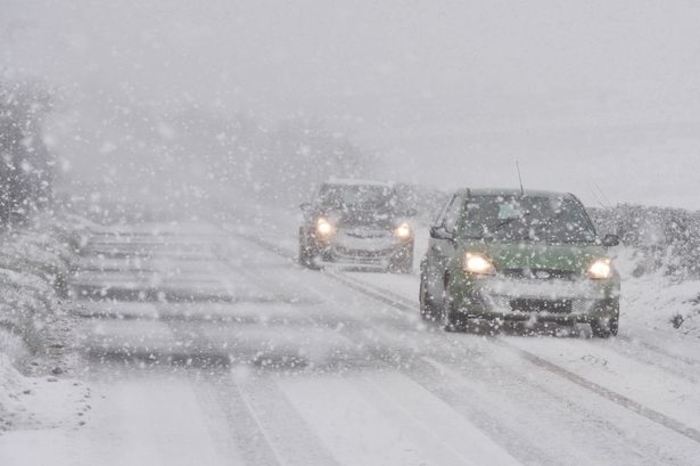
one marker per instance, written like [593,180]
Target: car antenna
[605,198]
[520,178]
[595,196]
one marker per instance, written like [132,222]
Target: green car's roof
[514,192]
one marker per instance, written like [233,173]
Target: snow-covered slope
[34,329]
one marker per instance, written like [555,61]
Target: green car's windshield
[556,220]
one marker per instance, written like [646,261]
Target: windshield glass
[558,220]
[358,197]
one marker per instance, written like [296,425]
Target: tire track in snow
[615,397]
[610,395]
[283,424]
[232,421]
[238,420]
[654,415]
[656,349]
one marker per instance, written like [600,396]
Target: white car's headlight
[324,227]
[403,231]
[601,269]
[477,263]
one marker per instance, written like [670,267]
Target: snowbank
[656,300]
[35,263]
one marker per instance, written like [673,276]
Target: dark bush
[26,175]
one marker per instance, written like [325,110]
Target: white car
[357,222]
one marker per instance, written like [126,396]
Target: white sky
[599,93]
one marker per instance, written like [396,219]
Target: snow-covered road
[205,344]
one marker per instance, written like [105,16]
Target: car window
[439,219]
[452,214]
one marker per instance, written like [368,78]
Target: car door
[441,246]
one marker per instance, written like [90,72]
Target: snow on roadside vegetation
[656,301]
[35,262]
[660,266]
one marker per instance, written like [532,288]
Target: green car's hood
[571,258]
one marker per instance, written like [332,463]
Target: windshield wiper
[503,223]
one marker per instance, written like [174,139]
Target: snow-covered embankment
[35,329]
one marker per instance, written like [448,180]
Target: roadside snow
[657,302]
[30,403]
[34,266]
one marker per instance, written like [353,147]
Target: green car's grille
[537,305]
[541,305]
[540,274]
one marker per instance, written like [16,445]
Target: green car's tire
[428,308]
[450,322]
[453,324]
[606,328]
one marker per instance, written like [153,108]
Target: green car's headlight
[601,269]
[477,263]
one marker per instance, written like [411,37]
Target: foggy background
[599,98]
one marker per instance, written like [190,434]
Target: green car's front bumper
[563,301]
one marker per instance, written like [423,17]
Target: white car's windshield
[358,196]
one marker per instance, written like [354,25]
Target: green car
[523,256]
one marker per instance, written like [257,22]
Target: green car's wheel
[605,328]
[428,308]
[450,322]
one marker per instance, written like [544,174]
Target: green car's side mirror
[610,240]
[441,233]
